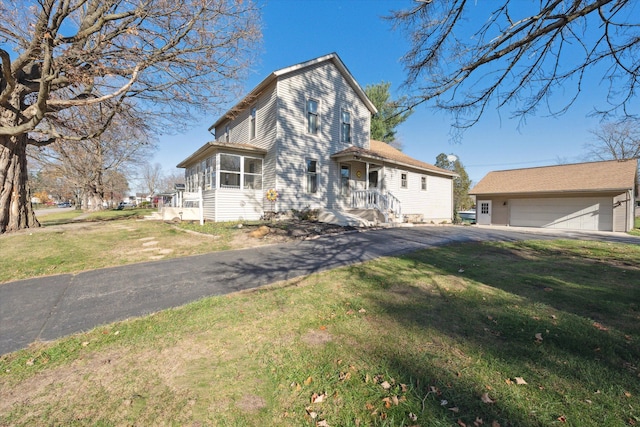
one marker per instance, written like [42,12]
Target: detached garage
[596,196]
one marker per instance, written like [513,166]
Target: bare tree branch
[467,56]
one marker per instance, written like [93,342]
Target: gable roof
[382,152]
[611,175]
[332,57]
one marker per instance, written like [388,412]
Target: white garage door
[584,213]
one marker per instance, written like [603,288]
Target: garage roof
[612,175]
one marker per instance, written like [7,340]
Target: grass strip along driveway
[531,333]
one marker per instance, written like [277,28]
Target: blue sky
[298,30]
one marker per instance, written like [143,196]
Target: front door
[483,211]
[373,179]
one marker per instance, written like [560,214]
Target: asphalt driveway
[47,308]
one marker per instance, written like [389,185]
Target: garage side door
[583,213]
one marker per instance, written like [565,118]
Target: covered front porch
[362,187]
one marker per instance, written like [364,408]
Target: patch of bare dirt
[317,338]
[287,231]
[251,403]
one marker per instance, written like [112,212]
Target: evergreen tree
[390,112]
[461,183]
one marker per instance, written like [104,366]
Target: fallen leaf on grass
[627,394]
[486,399]
[308,381]
[455,409]
[344,376]
[520,381]
[385,385]
[362,310]
[600,327]
[322,423]
[562,419]
[539,337]
[461,423]
[318,398]
[478,422]
[413,417]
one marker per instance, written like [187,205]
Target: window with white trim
[423,183]
[229,171]
[345,175]
[345,126]
[404,183]
[252,123]
[312,176]
[312,116]
[253,173]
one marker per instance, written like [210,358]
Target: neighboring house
[304,131]
[585,196]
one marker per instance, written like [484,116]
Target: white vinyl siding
[233,205]
[325,83]
[435,204]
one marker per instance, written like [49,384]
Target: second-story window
[345,126]
[312,116]
[252,123]
[226,133]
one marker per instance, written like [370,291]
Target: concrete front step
[343,218]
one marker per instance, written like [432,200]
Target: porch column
[366,177]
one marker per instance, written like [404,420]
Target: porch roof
[215,146]
[381,152]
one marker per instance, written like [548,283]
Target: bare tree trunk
[16,212]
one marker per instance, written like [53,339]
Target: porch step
[343,218]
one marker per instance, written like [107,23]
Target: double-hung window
[345,126]
[423,183]
[312,176]
[229,171]
[403,180]
[312,116]
[252,123]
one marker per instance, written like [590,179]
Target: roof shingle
[612,175]
[383,151]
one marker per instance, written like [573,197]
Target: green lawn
[536,333]
[67,244]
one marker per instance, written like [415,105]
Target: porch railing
[386,204]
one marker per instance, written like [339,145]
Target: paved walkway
[47,308]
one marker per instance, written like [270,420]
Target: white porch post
[201,205]
[366,177]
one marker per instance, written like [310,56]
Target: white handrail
[374,199]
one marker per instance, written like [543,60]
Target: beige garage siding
[580,213]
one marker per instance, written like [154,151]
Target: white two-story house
[305,132]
